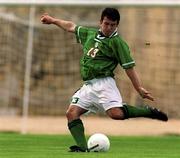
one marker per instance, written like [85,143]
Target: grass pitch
[14,145]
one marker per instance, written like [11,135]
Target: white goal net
[54,67]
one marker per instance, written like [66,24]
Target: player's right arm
[65,25]
[133,76]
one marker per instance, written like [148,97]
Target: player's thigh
[109,95]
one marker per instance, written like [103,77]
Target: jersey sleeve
[81,34]
[122,53]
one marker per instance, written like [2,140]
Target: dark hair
[111,13]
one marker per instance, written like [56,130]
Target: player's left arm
[133,76]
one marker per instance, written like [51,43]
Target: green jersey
[101,54]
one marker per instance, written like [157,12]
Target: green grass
[14,145]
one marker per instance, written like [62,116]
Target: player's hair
[111,13]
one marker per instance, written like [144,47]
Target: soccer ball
[98,142]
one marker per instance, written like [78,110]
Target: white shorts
[98,95]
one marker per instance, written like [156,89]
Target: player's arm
[132,74]
[65,25]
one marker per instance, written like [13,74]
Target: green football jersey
[101,54]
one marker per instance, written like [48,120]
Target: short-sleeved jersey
[101,54]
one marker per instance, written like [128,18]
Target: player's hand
[145,94]
[46,19]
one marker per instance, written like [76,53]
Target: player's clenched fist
[46,19]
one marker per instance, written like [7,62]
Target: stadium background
[151,32]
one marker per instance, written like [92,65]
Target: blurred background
[51,76]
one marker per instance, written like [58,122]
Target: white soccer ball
[98,142]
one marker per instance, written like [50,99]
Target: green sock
[132,111]
[77,131]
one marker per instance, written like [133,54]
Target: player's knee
[116,113]
[70,114]
[117,117]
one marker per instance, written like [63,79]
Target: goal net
[54,72]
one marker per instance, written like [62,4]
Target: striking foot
[157,114]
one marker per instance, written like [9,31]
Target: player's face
[108,26]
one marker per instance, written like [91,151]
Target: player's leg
[146,111]
[76,127]
[128,111]
[111,101]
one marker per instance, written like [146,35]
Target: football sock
[132,111]
[77,131]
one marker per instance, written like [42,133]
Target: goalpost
[27,76]
[34,75]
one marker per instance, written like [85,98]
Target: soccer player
[103,50]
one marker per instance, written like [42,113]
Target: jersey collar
[100,35]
